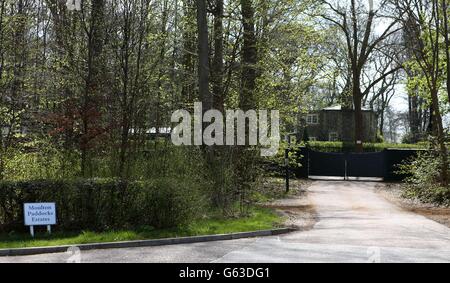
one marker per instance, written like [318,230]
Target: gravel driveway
[354,224]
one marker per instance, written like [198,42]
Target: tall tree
[130,46]
[427,24]
[357,25]
[445,31]
[95,34]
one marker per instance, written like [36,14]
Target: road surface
[355,224]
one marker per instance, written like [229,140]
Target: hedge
[102,204]
[368,147]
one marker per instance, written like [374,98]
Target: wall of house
[342,123]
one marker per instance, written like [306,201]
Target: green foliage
[291,58]
[380,137]
[161,160]
[276,165]
[164,160]
[423,182]
[43,160]
[45,163]
[104,204]
[92,118]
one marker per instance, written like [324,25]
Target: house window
[333,137]
[312,119]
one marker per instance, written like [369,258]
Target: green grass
[259,219]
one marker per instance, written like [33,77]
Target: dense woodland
[81,91]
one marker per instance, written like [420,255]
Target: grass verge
[259,219]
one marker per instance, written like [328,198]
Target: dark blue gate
[326,164]
[369,165]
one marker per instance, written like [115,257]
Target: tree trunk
[203,56]
[249,56]
[245,165]
[447,43]
[359,123]
[187,91]
[218,66]
[414,118]
[93,81]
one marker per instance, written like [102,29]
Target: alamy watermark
[374,254]
[229,129]
[74,255]
[73,5]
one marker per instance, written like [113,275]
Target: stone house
[337,124]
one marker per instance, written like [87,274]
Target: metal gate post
[346,172]
[286,156]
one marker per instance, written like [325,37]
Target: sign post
[39,214]
[286,161]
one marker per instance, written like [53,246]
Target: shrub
[276,165]
[103,204]
[368,147]
[423,182]
[43,163]
[46,161]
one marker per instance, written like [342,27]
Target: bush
[275,166]
[368,147]
[423,182]
[45,162]
[103,204]
[157,159]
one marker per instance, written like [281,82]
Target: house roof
[339,108]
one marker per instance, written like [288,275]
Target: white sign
[39,214]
